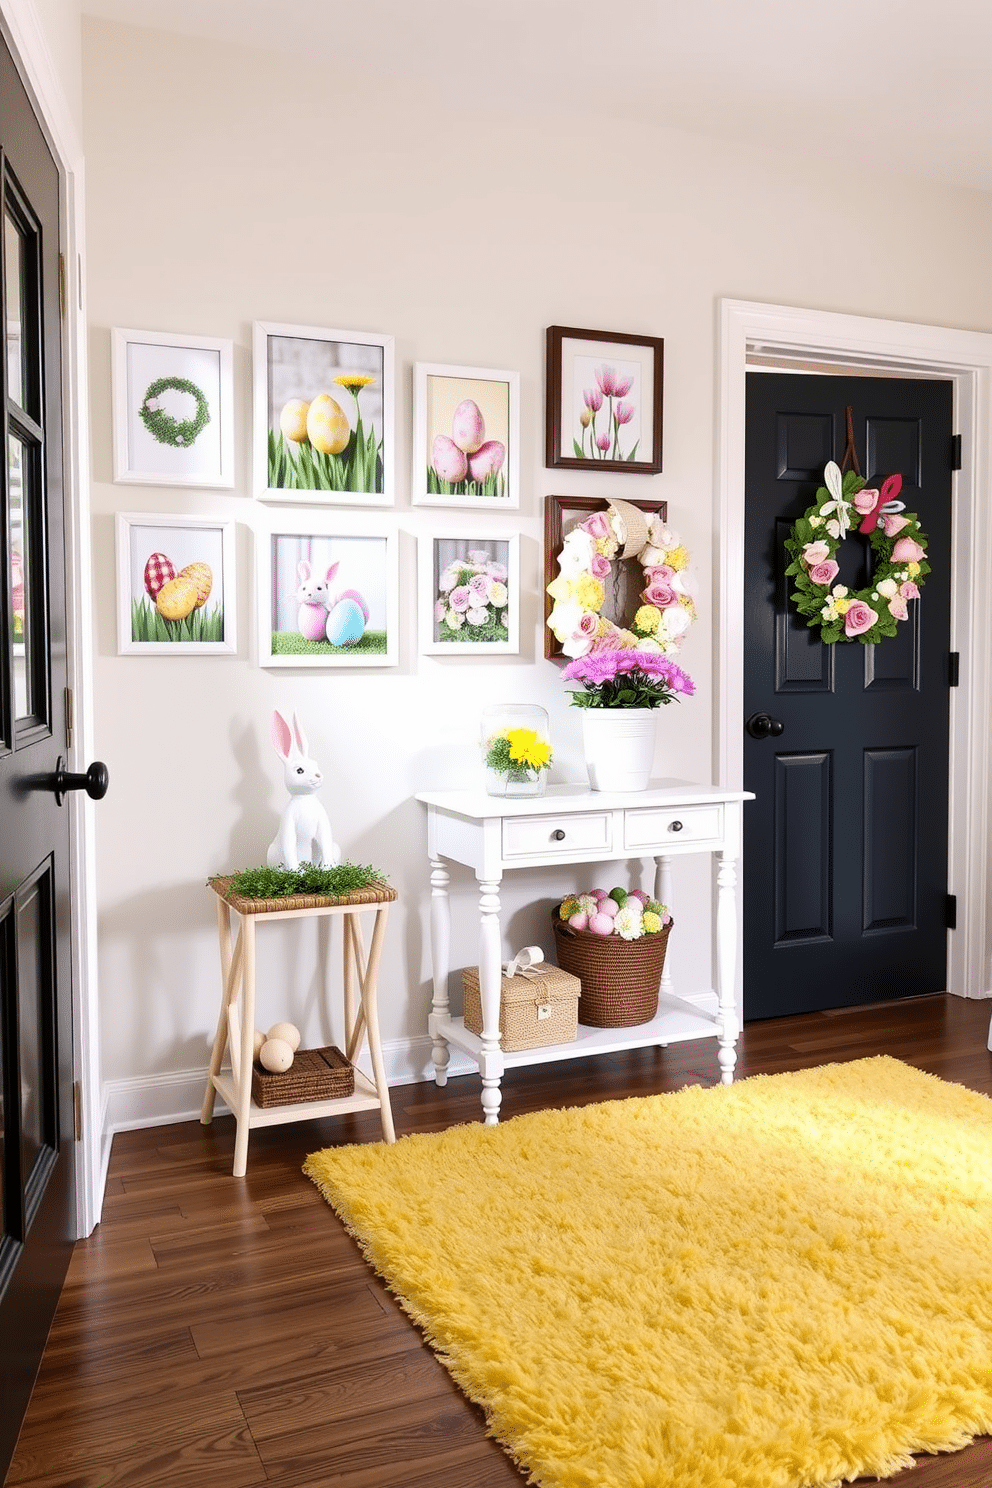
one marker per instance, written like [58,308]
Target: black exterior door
[845,850]
[37,1188]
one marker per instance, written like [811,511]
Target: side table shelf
[236,1023]
[572,824]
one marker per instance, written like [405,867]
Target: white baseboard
[161,1100]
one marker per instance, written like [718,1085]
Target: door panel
[36,1106]
[845,850]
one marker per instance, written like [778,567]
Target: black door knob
[94,782]
[762,726]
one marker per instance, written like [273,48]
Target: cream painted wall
[224,186]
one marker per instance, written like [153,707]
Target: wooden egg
[288,1032]
[276,1056]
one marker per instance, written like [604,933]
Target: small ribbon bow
[524,960]
[872,503]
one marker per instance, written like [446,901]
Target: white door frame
[874,347]
[23,35]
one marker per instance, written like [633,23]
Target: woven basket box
[315,1074]
[538,1006]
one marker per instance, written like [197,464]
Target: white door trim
[24,37]
[877,346]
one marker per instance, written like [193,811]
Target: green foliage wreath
[180,433]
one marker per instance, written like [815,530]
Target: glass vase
[516,749]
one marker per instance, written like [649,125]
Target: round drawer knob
[558,835]
[675,826]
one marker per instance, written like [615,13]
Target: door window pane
[13,254]
[20,581]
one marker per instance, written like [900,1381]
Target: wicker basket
[620,978]
[536,1008]
[315,1074]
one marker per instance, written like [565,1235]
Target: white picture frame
[442,397]
[173,409]
[364,556]
[155,550]
[492,556]
[349,375]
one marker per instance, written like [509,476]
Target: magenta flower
[624,412]
[824,573]
[600,568]
[460,599]
[660,594]
[614,678]
[603,441]
[593,398]
[607,379]
[909,590]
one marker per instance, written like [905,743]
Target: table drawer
[671,826]
[549,836]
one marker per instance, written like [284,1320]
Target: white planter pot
[619,747]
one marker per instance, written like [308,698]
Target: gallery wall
[225,187]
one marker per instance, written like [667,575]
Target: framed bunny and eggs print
[327,593]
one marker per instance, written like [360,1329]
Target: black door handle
[762,726]
[94,782]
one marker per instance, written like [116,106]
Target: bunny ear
[332,571]
[833,480]
[282,739]
[301,738]
[303,569]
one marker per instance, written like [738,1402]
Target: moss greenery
[281,883]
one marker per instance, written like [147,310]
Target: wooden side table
[236,1024]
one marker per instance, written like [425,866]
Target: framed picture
[327,595]
[604,401]
[173,409]
[466,437]
[561,514]
[175,585]
[469,594]
[323,416]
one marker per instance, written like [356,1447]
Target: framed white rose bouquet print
[323,416]
[466,423]
[469,594]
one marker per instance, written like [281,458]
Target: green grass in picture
[493,485]
[147,625]
[291,643]
[489,633]
[300,467]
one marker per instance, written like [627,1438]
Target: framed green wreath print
[173,405]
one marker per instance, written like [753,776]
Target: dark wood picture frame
[557,511]
[561,450]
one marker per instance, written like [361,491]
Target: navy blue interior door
[845,851]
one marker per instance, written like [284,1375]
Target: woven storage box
[538,1006]
[315,1074]
[620,978]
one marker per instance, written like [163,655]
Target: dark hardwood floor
[227,1332]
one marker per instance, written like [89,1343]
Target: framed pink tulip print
[604,401]
[466,436]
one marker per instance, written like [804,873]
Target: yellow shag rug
[780,1283]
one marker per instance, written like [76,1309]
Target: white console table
[573,824]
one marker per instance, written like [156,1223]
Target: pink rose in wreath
[908,550]
[600,566]
[859,618]
[909,590]
[824,573]
[866,500]
[816,552]
[598,525]
[660,594]
[898,607]
[893,523]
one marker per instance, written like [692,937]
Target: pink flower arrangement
[858,618]
[617,678]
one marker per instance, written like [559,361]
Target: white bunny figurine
[304,834]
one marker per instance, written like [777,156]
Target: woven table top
[375,893]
